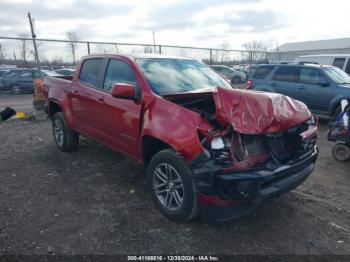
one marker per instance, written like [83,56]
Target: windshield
[337,75]
[168,76]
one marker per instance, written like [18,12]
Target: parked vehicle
[339,60]
[321,88]
[2,73]
[235,76]
[208,148]
[65,71]
[339,132]
[18,81]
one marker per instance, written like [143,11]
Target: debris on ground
[7,113]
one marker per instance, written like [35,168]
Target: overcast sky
[203,23]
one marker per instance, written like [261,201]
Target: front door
[313,89]
[120,118]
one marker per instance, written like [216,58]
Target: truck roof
[138,56]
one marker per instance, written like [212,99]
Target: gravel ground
[94,201]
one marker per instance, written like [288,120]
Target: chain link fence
[62,53]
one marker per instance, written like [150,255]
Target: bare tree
[257,50]
[224,54]
[24,47]
[147,49]
[73,37]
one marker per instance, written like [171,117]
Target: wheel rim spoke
[177,197]
[168,186]
[58,132]
[169,199]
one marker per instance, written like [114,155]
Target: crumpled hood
[252,112]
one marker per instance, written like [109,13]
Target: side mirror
[124,91]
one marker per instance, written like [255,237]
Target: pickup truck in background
[209,149]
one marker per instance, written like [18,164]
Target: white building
[289,51]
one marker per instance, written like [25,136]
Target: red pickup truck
[208,148]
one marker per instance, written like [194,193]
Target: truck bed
[52,83]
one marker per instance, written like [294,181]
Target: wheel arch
[151,146]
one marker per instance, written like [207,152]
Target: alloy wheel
[15,89]
[168,186]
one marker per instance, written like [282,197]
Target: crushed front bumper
[224,196]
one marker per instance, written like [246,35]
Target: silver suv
[235,76]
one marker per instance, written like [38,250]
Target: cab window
[118,72]
[89,71]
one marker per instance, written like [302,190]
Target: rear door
[284,80]
[260,78]
[87,97]
[314,90]
[25,81]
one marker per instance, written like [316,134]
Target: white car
[235,76]
[339,60]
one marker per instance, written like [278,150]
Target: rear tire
[341,152]
[171,186]
[65,138]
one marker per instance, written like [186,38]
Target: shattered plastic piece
[265,113]
[21,115]
[217,143]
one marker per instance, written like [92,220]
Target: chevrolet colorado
[209,149]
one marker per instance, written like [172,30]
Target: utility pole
[154,42]
[2,55]
[34,43]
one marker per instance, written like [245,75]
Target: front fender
[175,126]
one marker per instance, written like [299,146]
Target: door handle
[75,91]
[301,87]
[273,84]
[101,100]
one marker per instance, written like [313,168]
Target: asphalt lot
[94,201]
[22,103]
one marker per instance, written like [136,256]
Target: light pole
[154,42]
[34,43]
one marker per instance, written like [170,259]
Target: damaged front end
[260,146]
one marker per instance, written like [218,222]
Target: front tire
[171,186]
[65,138]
